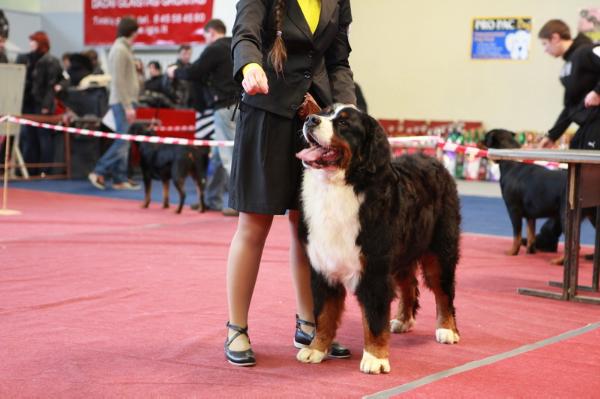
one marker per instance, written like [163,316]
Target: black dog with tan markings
[368,223]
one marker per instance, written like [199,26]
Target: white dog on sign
[517,44]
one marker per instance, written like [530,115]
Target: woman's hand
[255,81]
[546,142]
[592,99]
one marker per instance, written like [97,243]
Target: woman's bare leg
[243,262]
[300,268]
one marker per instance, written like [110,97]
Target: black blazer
[317,63]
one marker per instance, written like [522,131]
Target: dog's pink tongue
[311,154]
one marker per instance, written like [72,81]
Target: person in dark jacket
[182,88]
[42,74]
[580,77]
[212,70]
[282,51]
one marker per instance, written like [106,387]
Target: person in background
[155,78]
[284,57]
[213,69]
[66,64]
[43,72]
[93,56]
[124,92]
[181,88]
[157,92]
[4,29]
[580,77]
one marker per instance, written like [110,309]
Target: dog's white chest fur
[331,215]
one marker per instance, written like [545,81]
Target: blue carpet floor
[482,215]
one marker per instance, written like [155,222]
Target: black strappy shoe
[239,358]
[303,339]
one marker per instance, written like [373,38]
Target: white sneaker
[126,185]
[95,180]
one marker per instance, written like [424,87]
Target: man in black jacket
[213,69]
[580,77]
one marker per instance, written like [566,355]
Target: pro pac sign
[501,38]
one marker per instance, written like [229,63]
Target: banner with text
[162,22]
[506,38]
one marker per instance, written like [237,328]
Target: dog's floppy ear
[376,147]
[488,140]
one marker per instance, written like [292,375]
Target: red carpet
[100,298]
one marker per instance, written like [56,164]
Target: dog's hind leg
[329,306]
[147,189]
[530,235]
[438,272]
[517,224]
[408,288]
[179,185]
[165,185]
[197,177]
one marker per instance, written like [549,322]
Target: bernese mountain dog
[368,222]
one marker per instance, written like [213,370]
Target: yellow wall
[412,59]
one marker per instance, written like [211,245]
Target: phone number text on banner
[162,22]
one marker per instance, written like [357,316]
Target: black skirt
[265,173]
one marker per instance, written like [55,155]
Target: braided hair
[278,53]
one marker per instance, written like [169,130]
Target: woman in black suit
[282,51]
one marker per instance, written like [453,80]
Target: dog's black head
[500,138]
[344,138]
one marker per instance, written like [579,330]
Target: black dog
[166,162]
[368,224]
[529,191]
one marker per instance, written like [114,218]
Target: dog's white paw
[397,326]
[446,336]
[307,355]
[370,364]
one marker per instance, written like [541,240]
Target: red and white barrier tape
[436,142]
[408,141]
[124,136]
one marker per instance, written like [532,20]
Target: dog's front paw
[397,326]
[446,336]
[370,364]
[558,261]
[308,355]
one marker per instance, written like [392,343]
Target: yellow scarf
[312,11]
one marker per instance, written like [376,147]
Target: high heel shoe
[303,339]
[239,358]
